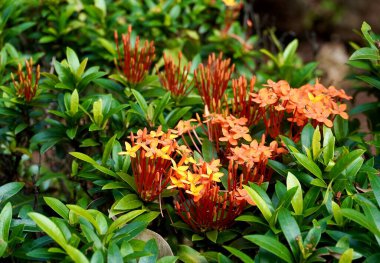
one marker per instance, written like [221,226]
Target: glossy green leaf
[360,219]
[128,202]
[365,53]
[5,222]
[347,256]
[240,255]
[260,203]
[72,59]
[108,149]
[316,145]
[141,101]
[124,219]
[344,162]
[290,229]
[49,227]
[375,184]
[308,164]
[85,214]
[212,235]
[75,254]
[297,200]
[10,189]
[190,255]
[58,207]
[168,259]
[272,245]
[74,102]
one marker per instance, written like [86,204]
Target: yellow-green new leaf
[316,144]
[347,256]
[49,227]
[260,203]
[297,200]
[74,102]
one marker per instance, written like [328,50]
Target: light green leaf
[49,228]
[365,53]
[85,214]
[58,207]
[5,222]
[316,145]
[97,112]
[122,220]
[344,162]
[347,256]
[297,200]
[272,245]
[190,255]
[308,164]
[108,149]
[260,203]
[72,59]
[240,255]
[76,255]
[129,201]
[74,102]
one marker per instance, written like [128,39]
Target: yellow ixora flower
[131,151]
[230,3]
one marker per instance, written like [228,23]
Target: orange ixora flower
[309,103]
[212,81]
[175,78]
[151,158]
[26,85]
[134,62]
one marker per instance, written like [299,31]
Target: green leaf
[240,255]
[316,145]
[97,112]
[74,102]
[375,184]
[337,214]
[83,157]
[5,222]
[260,203]
[10,189]
[174,116]
[297,200]
[306,136]
[308,164]
[128,202]
[122,220]
[49,227]
[161,106]
[58,207]
[141,101]
[340,128]
[344,162]
[75,254]
[365,53]
[189,255]
[272,245]
[114,254]
[328,145]
[208,150]
[85,214]
[212,235]
[168,259]
[72,59]
[347,256]
[360,219]
[373,81]
[289,52]
[108,149]
[290,229]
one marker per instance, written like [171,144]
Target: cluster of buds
[174,78]
[310,103]
[27,84]
[242,104]
[212,81]
[151,155]
[134,62]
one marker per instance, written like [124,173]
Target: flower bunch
[27,84]
[134,62]
[212,80]
[151,155]
[299,106]
[242,104]
[175,78]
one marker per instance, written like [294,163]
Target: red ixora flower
[27,84]
[175,78]
[134,62]
[212,81]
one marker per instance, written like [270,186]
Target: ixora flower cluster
[209,197]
